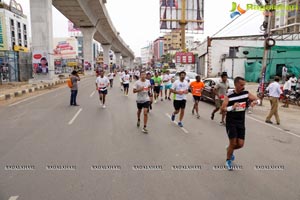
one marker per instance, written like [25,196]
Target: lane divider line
[92,94]
[75,116]
[182,128]
[280,129]
[13,198]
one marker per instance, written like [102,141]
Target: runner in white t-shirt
[111,77]
[167,83]
[102,84]
[180,89]
[126,80]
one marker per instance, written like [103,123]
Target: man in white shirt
[167,83]
[293,80]
[284,74]
[274,93]
[180,89]
[126,80]
[287,87]
[102,84]
[110,77]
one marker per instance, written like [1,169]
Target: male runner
[197,88]
[220,91]
[157,82]
[126,80]
[235,104]
[142,87]
[167,84]
[102,84]
[151,89]
[180,89]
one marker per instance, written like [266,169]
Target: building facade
[158,48]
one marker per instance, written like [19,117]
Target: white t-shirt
[102,83]
[293,81]
[167,78]
[137,73]
[287,85]
[142,96]
[111,76]
[180,86]
[126,78]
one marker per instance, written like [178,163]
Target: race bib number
[156,84]
[241,107]
[146,89]
[222,97]
[198,91]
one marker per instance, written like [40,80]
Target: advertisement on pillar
[40,62]
[3,41]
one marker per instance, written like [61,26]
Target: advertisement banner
[185,58]
[3,40]
[40,62]
[171,11]
[65,48]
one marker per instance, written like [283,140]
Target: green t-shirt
[157,80]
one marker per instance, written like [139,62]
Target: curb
[29,90]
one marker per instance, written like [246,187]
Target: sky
[138,20]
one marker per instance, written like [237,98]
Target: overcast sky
[138,20]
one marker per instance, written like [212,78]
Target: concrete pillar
[88,35]
[42,35]
[106,49]
[118,58]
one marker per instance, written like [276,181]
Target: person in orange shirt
[196,88]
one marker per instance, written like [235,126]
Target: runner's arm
[253,99]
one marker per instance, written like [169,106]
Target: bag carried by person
[69,83]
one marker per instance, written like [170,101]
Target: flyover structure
[91,16]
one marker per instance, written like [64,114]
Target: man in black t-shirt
[235,104]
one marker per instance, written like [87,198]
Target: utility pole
[182,24]
[267,25]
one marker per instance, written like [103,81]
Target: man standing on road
[74,90]
[102,84]
[180,89]
[142,87]
[220,91]
[274,93]
[284,74]
[197,88]
[157,82]
[126,80]
[235,104]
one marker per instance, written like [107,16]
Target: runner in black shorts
[235,104]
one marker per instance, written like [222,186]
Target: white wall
[238,67]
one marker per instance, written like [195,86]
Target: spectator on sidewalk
[293,80]
[74,90]
[286,91]
[274,93]
[284,74]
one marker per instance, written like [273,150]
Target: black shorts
[126,85]
[140,106]
[102,92]
[156,89]
[196,98]
[235,131]
[179,104]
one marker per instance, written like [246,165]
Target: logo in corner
[236,10]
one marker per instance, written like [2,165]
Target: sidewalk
[16,89]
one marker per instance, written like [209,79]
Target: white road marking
[75,116]
[280,129]
[183,129]
[13,198]
[92,94]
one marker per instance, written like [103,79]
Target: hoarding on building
[185,58]
[3,40]
[73,31]
[171,12]
[40,62]
[65,48]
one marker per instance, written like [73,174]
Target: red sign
[185,58]
[37,56]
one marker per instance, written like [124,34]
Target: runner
[111,76]
[235,104]
[157,82]
[102,84]
[180,89]
[126,80]
[151,89]
[220,91]
[121,74]
[167,84]
[161,86]
[196,87]
[142,87]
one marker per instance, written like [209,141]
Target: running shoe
[198,116]
[212,116]
[169,98]
[166,98]
[155,101]
[138,123]
[103,106]
[173,117]
[229,165]
[180,124]
[144,130]
[193,112]
[222,124]
[162,99]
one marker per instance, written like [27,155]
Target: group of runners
[149,86]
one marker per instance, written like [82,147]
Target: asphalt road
[51,151]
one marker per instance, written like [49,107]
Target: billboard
[65,48]
[40,62]
[3,40]
[185,58]
[73,31]
[171,12]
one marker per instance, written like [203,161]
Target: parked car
[208,93]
